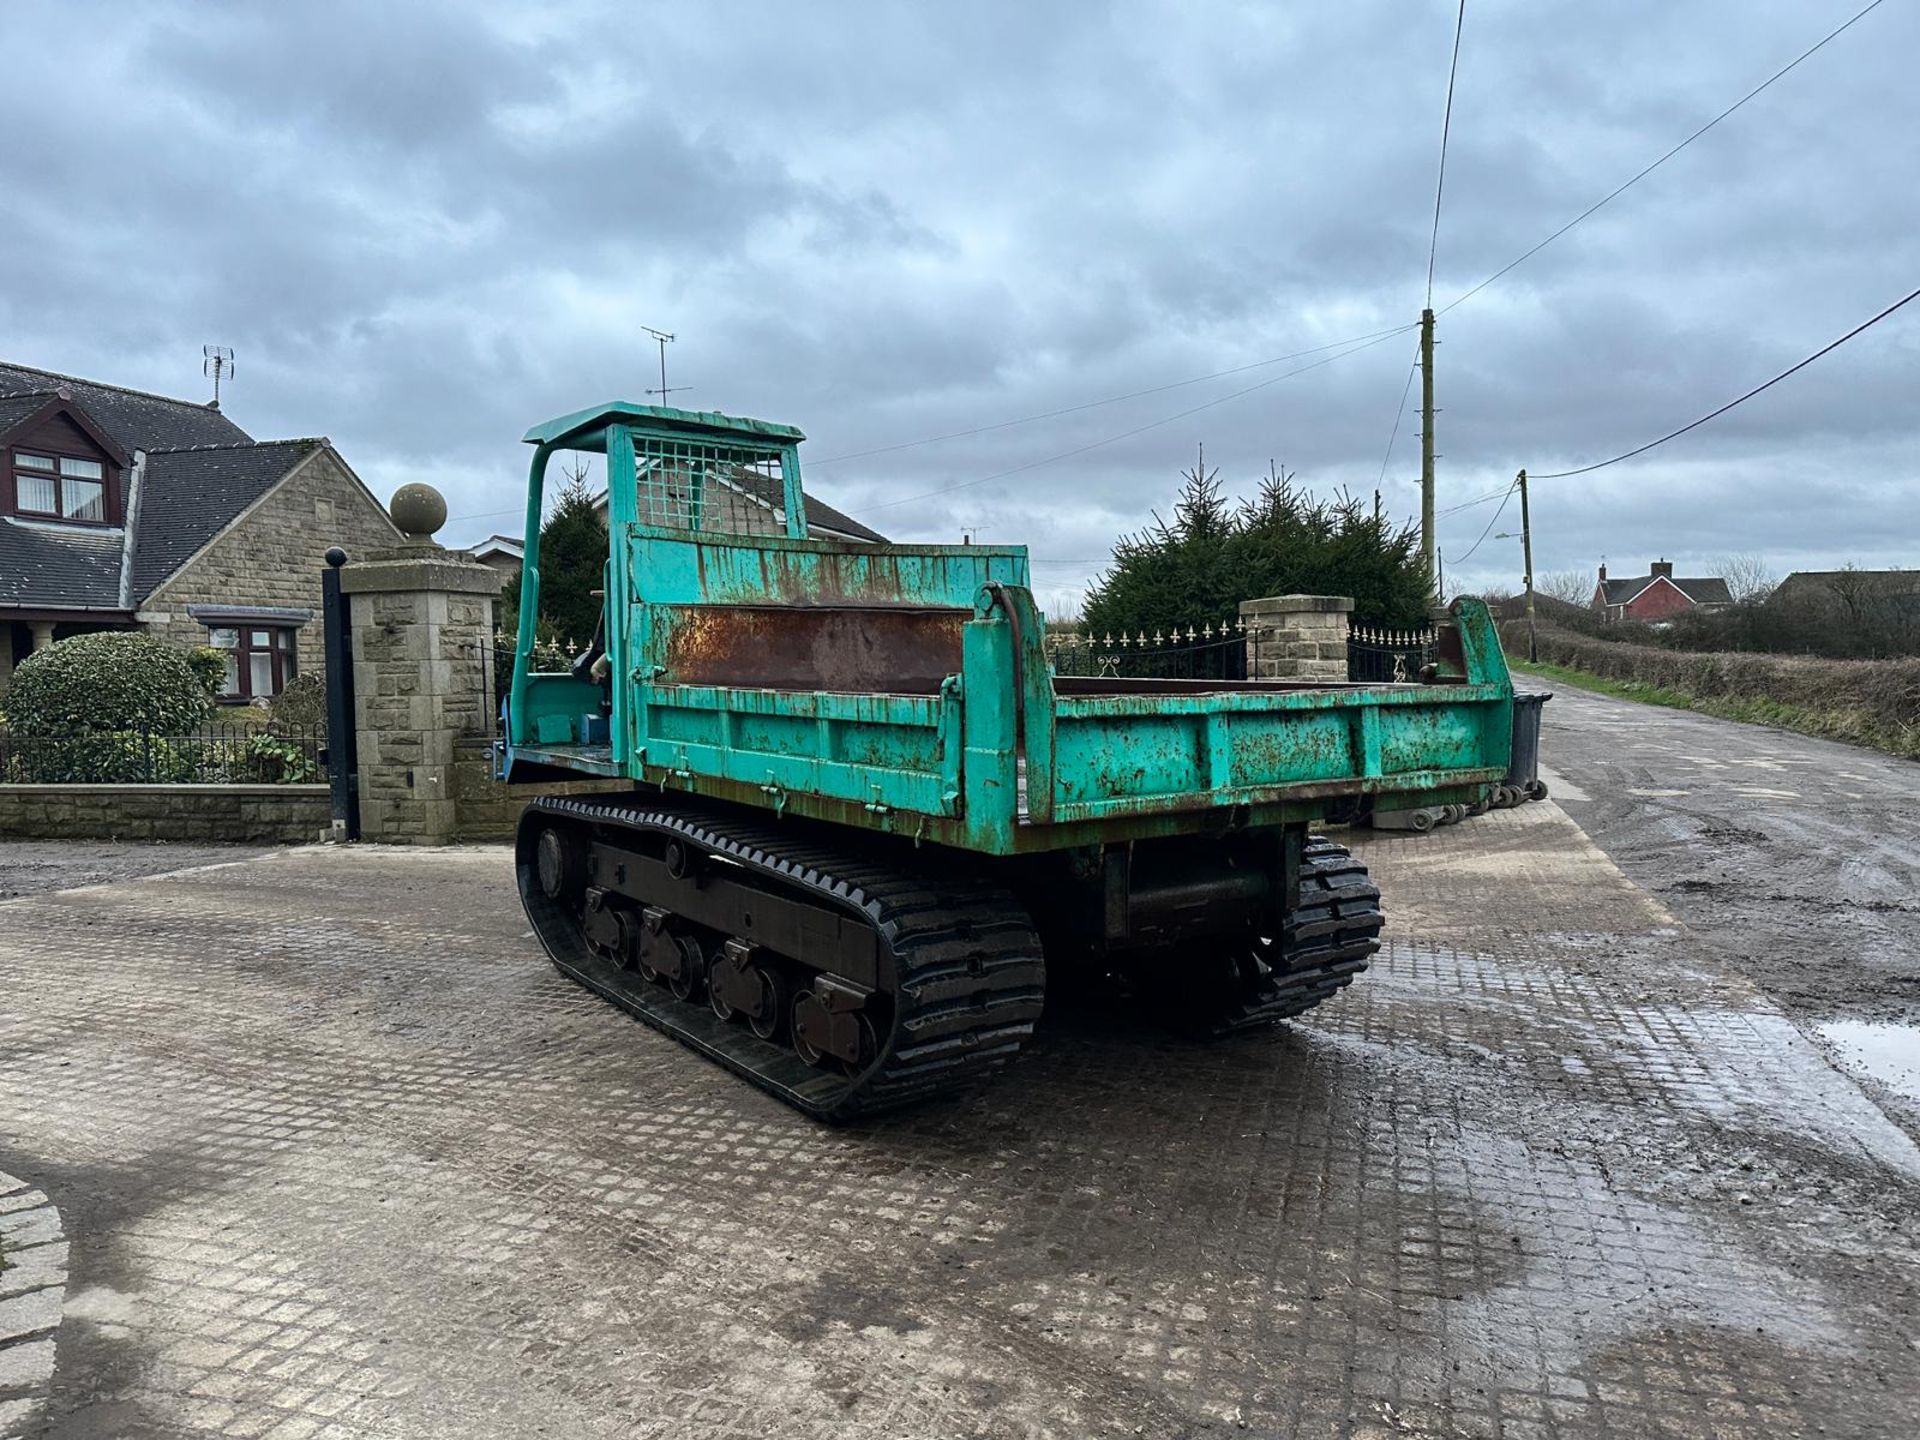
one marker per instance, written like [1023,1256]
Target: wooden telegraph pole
[1426,451]
[1526,550]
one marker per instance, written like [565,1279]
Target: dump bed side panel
[1123,755]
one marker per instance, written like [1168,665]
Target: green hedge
[1868,702]
[115,681]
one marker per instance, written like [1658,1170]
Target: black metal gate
[343,751]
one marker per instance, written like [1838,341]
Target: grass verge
[1853,725]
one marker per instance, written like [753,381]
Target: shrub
[271,760]
[209,667]
[300,706]
[116,680]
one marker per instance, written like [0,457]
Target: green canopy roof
[587,429]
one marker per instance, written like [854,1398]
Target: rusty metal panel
[871,648]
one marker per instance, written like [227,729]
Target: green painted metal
[957,733]
[587,429]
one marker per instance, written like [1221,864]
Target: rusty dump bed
[943,721]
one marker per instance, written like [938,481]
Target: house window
[260,660]
[62,487]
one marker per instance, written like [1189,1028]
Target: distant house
[1850,587]
[122,510]
[754,506]
[500,552]
[1658,595]
[1545,608]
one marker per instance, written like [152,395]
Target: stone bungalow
[121,510]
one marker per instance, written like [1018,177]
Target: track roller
[867,977]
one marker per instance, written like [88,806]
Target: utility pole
[1526,550]
[1426,448]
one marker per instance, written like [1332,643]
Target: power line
[1691,425]
[1739,400]
[1469,504]
[1398,416]
[1138,429]
[1511,265]
[1636,179]
[1490,524]
[1107,400]
[1446,127]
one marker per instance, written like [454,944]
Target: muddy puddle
[1871,1050]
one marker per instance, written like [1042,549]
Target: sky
[424,227]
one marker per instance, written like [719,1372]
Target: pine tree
[573,558]
[1281,541]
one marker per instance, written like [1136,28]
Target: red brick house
[1658,595]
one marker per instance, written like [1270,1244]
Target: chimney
[1662,567]
[1603,574]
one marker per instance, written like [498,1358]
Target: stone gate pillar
[1297,637]
[422,629]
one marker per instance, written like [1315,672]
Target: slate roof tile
[135,419]
[189,496]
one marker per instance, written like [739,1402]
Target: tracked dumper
[864,822]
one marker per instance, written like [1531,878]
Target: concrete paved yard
[338,1154]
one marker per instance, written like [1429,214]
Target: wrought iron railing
[210,755]
[1211,651]
[1379,655]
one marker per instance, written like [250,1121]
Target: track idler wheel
[741,984]
[561,861]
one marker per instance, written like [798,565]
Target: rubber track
[1328,939]
[968,978]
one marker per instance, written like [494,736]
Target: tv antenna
[218,361]
[665,390]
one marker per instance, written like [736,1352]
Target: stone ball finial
[418,510]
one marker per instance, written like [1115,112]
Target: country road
[1797,859]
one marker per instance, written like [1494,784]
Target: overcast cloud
[424,227]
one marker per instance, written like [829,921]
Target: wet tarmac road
[339,1155]
[1795,859]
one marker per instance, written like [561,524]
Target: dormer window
[60,487]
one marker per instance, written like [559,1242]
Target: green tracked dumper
[865,821]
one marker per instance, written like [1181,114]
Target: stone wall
[1298,638]
[274,556]
[278,814]
[486,810]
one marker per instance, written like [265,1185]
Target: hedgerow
[1868,702]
